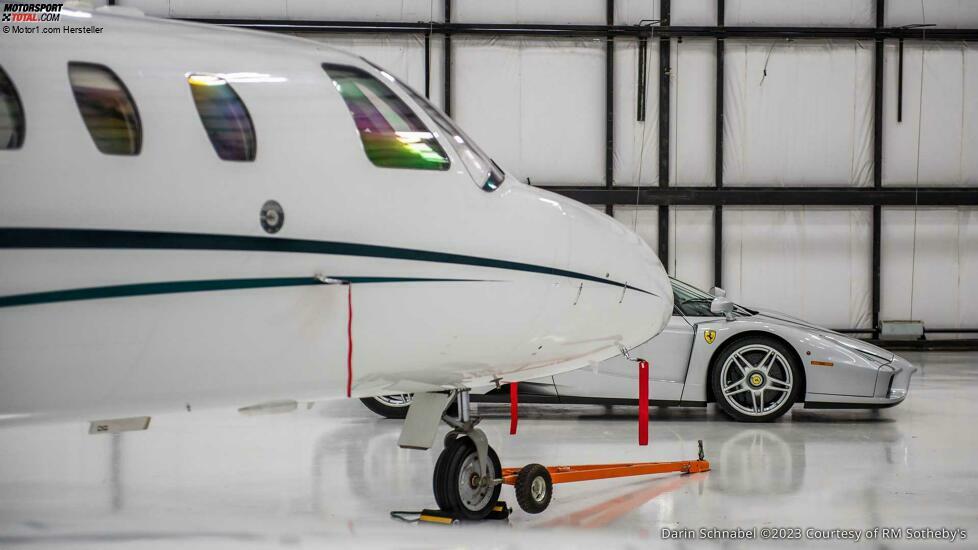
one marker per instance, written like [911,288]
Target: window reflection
[224,116]
[392,134]
[107,109]
[11,114]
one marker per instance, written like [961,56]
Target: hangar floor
[329,475]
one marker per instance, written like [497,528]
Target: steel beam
[609,101]
[718,152]
[447,68]
[877,236]
[388,27]
[665,81]
[772,196]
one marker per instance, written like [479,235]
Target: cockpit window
[392,134]
[11,115]
[107,109]
[224,116]
[480,166]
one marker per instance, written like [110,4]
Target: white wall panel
[401,55]
[961,14]
[258,9]
[338,10]
[632,12]
[810,262]
[683,12]
[810,13]
[943,127]
[929,273]
[530,11]
[636,143]
[643,220]
[693,107]
[156,8]
[807,122]
[691,245]
[364,10]
[534,105]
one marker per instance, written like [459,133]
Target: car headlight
[873,357]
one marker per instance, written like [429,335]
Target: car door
[617,378]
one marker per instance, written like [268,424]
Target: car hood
[838,338]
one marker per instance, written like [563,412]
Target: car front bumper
[892,387]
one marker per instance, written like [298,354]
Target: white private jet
[195,216]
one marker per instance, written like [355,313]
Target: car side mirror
[723,306]
[718,292]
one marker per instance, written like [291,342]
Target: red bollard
[643,402]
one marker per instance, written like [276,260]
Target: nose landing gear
[462,485]
[468,476]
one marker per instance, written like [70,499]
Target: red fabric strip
[349,340]
[643,402]
[514,407]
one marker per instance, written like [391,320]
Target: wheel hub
[474,489]
[756,380]
[538,489]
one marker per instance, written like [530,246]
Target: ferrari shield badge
[709,336]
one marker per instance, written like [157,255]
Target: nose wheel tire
[756,379]
[459,485]
[534,488]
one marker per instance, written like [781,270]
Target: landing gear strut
[468,475]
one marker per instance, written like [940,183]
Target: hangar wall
[797,113]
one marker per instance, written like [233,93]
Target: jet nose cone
[601,245]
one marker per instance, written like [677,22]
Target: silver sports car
[755,365]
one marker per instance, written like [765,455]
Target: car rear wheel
[389,406]
[756,379]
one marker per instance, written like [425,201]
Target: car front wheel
[756,379]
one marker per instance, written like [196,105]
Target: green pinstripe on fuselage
[44,238]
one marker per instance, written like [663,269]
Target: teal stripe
[177,287]
[22,237]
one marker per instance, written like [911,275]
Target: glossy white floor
[328,476]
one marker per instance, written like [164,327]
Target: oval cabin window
[107,109]
[224,116]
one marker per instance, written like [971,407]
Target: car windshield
[693,302]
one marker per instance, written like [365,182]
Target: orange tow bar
[534,483]
[588,472]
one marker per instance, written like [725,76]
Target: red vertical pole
[514,407]
[643,402]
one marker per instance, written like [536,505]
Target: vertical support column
[664,87]
[447,73]
[877,262]
[643,49]
[609,106]
[718,156]
[877,166]
[427,65]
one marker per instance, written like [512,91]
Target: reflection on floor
[328,476]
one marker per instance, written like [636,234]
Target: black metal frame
[715,195]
